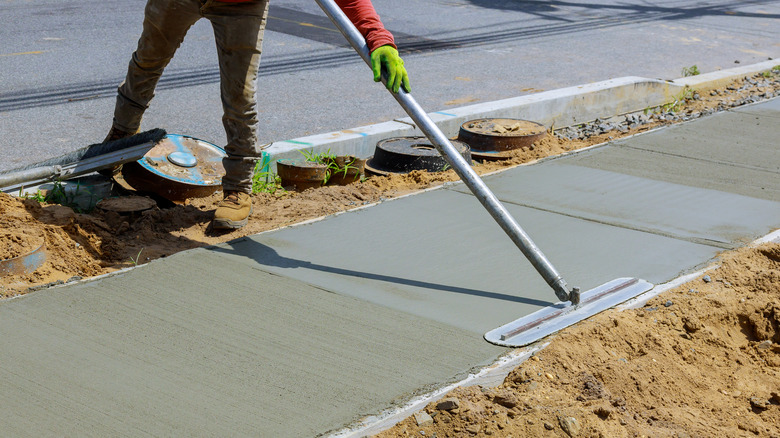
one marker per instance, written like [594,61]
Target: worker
[238,30]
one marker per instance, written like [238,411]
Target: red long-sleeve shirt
[363,15]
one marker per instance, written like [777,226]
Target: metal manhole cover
[178,167]
[405,154]
[496,138]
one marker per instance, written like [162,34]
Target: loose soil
[80,245]
[701,360]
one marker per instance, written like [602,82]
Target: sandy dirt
[701,360]
[81,245]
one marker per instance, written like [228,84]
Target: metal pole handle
[458,163]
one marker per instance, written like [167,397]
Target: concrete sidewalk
[302,331]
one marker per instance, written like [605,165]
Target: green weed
[679,101]
[264,180]
[329,160]
[690,71]
[38,196]
[59,195]
[137,258]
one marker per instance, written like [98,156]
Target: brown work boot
[233,212]
[115,134]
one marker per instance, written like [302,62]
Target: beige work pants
[238,30]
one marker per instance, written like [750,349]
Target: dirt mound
[702,360]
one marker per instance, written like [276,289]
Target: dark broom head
[98,149]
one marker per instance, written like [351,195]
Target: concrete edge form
[554,108]
[720,78]
[494,374]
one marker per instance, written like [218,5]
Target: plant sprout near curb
[690,71]
[332,167]
[264,180]
[59,195]
[137,258]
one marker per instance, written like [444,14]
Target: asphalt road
[61,60]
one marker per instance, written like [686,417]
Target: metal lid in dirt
[496,138]
[405,154]
[26,263]
[178,167]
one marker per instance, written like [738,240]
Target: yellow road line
[36,52]
[300,23]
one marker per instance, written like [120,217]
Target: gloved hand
[387,56]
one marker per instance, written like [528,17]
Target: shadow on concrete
[267,256]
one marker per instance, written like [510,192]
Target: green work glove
[387,57]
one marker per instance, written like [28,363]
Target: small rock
[765,345]
[758,403]
[423,419]
[548,426]
[448,404]
[623,422]
[603,412]
[506,399]
[570,425]
[668,303]
[706,279]
[691,324]
[473,429]
[549,376]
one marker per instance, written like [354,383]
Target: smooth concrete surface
[733,152]
[690,171]
[190,346]
[766,109]
[305,330]
[607,196]
[731,138]
[439,255]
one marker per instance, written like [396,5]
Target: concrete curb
[721,78]
[556,108]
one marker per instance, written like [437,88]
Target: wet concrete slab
[190,346]
[439,255]
[607,196]
[686,171]
[765,109]
[733,138]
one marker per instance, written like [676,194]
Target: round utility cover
[126,204]
[405,154]
[495,138]
[178,167]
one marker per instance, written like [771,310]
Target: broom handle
[458,163]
